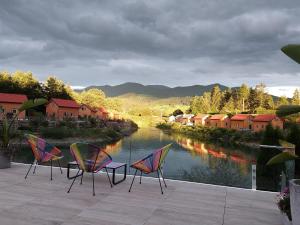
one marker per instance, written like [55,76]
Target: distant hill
[158,91]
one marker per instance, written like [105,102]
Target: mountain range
[157,91]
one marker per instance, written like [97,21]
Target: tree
[296,97]
[93,97]
[55,88]
[260,90]
[177,112]
[268,102]
[229,107]
[227,94]
[216,96]
[253,100]
[243,94]
[282,101]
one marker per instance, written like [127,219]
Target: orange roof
[265,118]
[90,108]
[201,116]
[240,117]
[65,103]
[12,98]
[102,109]
[218,117]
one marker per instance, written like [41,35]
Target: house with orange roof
[86,111]
[200,119]
[102,113]
[219,120]
[9,104]
[62,108]
[241,122]
[261,121]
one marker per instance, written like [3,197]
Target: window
[14,111]
[65,114]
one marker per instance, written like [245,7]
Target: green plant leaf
[281,158]
[292,51]
[29,104]
[286,110]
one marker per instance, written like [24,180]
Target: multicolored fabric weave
[90,158]
[153,161]
[43,151]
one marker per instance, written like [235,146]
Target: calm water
[188,159]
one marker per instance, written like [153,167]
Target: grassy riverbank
[66,133]
[215,135]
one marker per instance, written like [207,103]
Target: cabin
[261,121]
[241,122]
[187,119]
[101,113]
[60,109]
[9,104]
[171,119]
[200,119]
[86,111]
[219,120]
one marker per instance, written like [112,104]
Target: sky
[169,42]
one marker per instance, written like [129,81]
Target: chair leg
[29,170]
[132,180]
[81,178]
[163,177]
[159,183]
[108,177]
[141,177]
[59,166]
[51,169]
[73,181]
[35,166]
[93,184]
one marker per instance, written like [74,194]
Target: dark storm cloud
[169,42]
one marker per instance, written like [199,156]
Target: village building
[86,111]
[200,119]
[171,119]
[219,120]
[241,122]
[60,109]
[178,118]
[261,121]
[9,104]
[101,113]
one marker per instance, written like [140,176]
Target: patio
[38,200]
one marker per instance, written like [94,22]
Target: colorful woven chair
[150,164]
[43,152]
[90,159]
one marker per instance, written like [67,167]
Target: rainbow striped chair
[150,164]
[43,152]
[89,159]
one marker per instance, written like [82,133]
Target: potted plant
[5,131]
[283,203]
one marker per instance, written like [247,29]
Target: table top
[111,165]
[115,165]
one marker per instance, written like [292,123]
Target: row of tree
[241,99]
[21,82]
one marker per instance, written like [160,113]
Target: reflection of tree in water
[223,174]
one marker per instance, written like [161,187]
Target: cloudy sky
[170,42]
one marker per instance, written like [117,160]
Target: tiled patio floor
[38,200]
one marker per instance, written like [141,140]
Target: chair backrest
[42,150]
[90,158]
[165,151]
[153,161]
